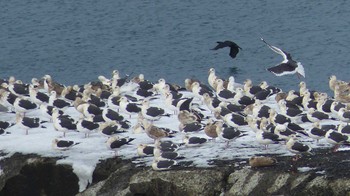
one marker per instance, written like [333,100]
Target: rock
[35,175]
[244,181]
[322,174]
[280,181]
[178,182]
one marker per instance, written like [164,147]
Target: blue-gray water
[75,41]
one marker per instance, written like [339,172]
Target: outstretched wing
[222,45]
[286,56]
[282,69]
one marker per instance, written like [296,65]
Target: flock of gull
[204,113]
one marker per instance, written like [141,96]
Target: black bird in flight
[234,48]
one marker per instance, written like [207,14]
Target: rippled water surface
[75,41]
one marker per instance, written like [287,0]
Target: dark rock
[35,175]
[323,173]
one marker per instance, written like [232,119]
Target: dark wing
[30,122]
[223,45]
[148,150]
[165,164]
[93,109]
[234,51]
[89,125]
[20,89]
[234,47]
[170,155]
[43,97]
[155,111]
[300,147]
[318,132]
[282,69]
[110,130]
[346,114]
[111,114]
[120,142]
[132,107]
[67,123]
[230,133]
[338,137]
[197,140]
[186,105]
[64,143]
[271,136]
[27,104]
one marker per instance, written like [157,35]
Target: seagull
[151,112]
[19,89]
[28,123]
[63,123]
[46,110]
[264,137]
[211,127]
[166,145]
[344,128]
[115,142]
[176,104]
[23,105]
[287,66]
[145,150]
[110,129]
[235,120]
[336,139]
[110,115]
[297,148]
[155,132]
[165,155]
[127,107]
[161,165]
[89,110]
[316,132]
[87,126]
[344,115]
[191,127]
[63,144]
[234,48]
[229,134]
[4,125]
[38,97]
[58,102]
[194,140]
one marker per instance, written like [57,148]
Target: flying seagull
[234,48]
[287,66]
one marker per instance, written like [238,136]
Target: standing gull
[151,112]
[28,123]
[287,66]
[155,132]
[297,148]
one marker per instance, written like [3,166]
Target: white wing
[275,49]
